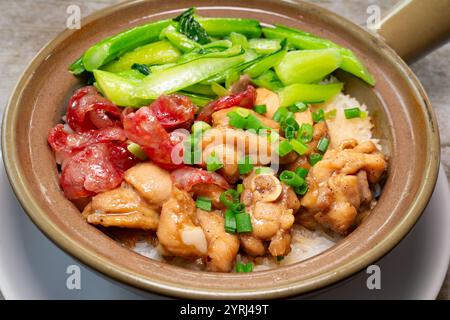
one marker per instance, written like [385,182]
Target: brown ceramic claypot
[404,121]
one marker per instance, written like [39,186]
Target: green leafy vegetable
[142,68]
[191,28]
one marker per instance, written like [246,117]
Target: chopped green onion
[136,149]
[284,148]
[236,120]
[280,258]
[261,109]
[298,107]
[289,132]
[306,133]
[203,203]
[245,167]
[290,178]
[226,195]
[238,207]
[301,189]
[213,163]
[299,147]
[230,221]
[192,157]
[242,112]
[200,126]
[301,172]
[243,222]
[290,121]
[240,188]
[318,115]
[314,158]
[263,170]
[280,114]
[244,267]
[331,114]
[363,115]
[351,113]
[322,146]
[253,123]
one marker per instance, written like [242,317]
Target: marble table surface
[27,25]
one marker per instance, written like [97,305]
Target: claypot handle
[414,28]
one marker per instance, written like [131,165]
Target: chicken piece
[121,207]
[251,245]
[178,231]
[222,246]
[339,185]
[271,206]
[153,183]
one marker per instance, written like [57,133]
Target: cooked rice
[340,128]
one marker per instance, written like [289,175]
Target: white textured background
[27,25]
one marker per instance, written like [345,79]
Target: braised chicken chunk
[151,182]
[178,231]
[121,207]
[222,246]
[339,185]
[185,231]
[271,206]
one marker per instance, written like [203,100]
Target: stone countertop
[27,25]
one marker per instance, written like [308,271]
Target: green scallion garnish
[331,114]
[263,170]
[318,115]
[253,123]
[306,133]
[290,178]
[246,166]
[200,126]
[213,163]
[280,114]
[260,108]
[298,107]
[301,172]
[301,189]
[236,120]
[243,222]
[314,158]
[203,203]
[352,113]
[136,149]
[244,267]
[284,148]
[230,221]
[229,198]
[323,144]
[299,147]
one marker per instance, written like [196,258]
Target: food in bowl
[217,144]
